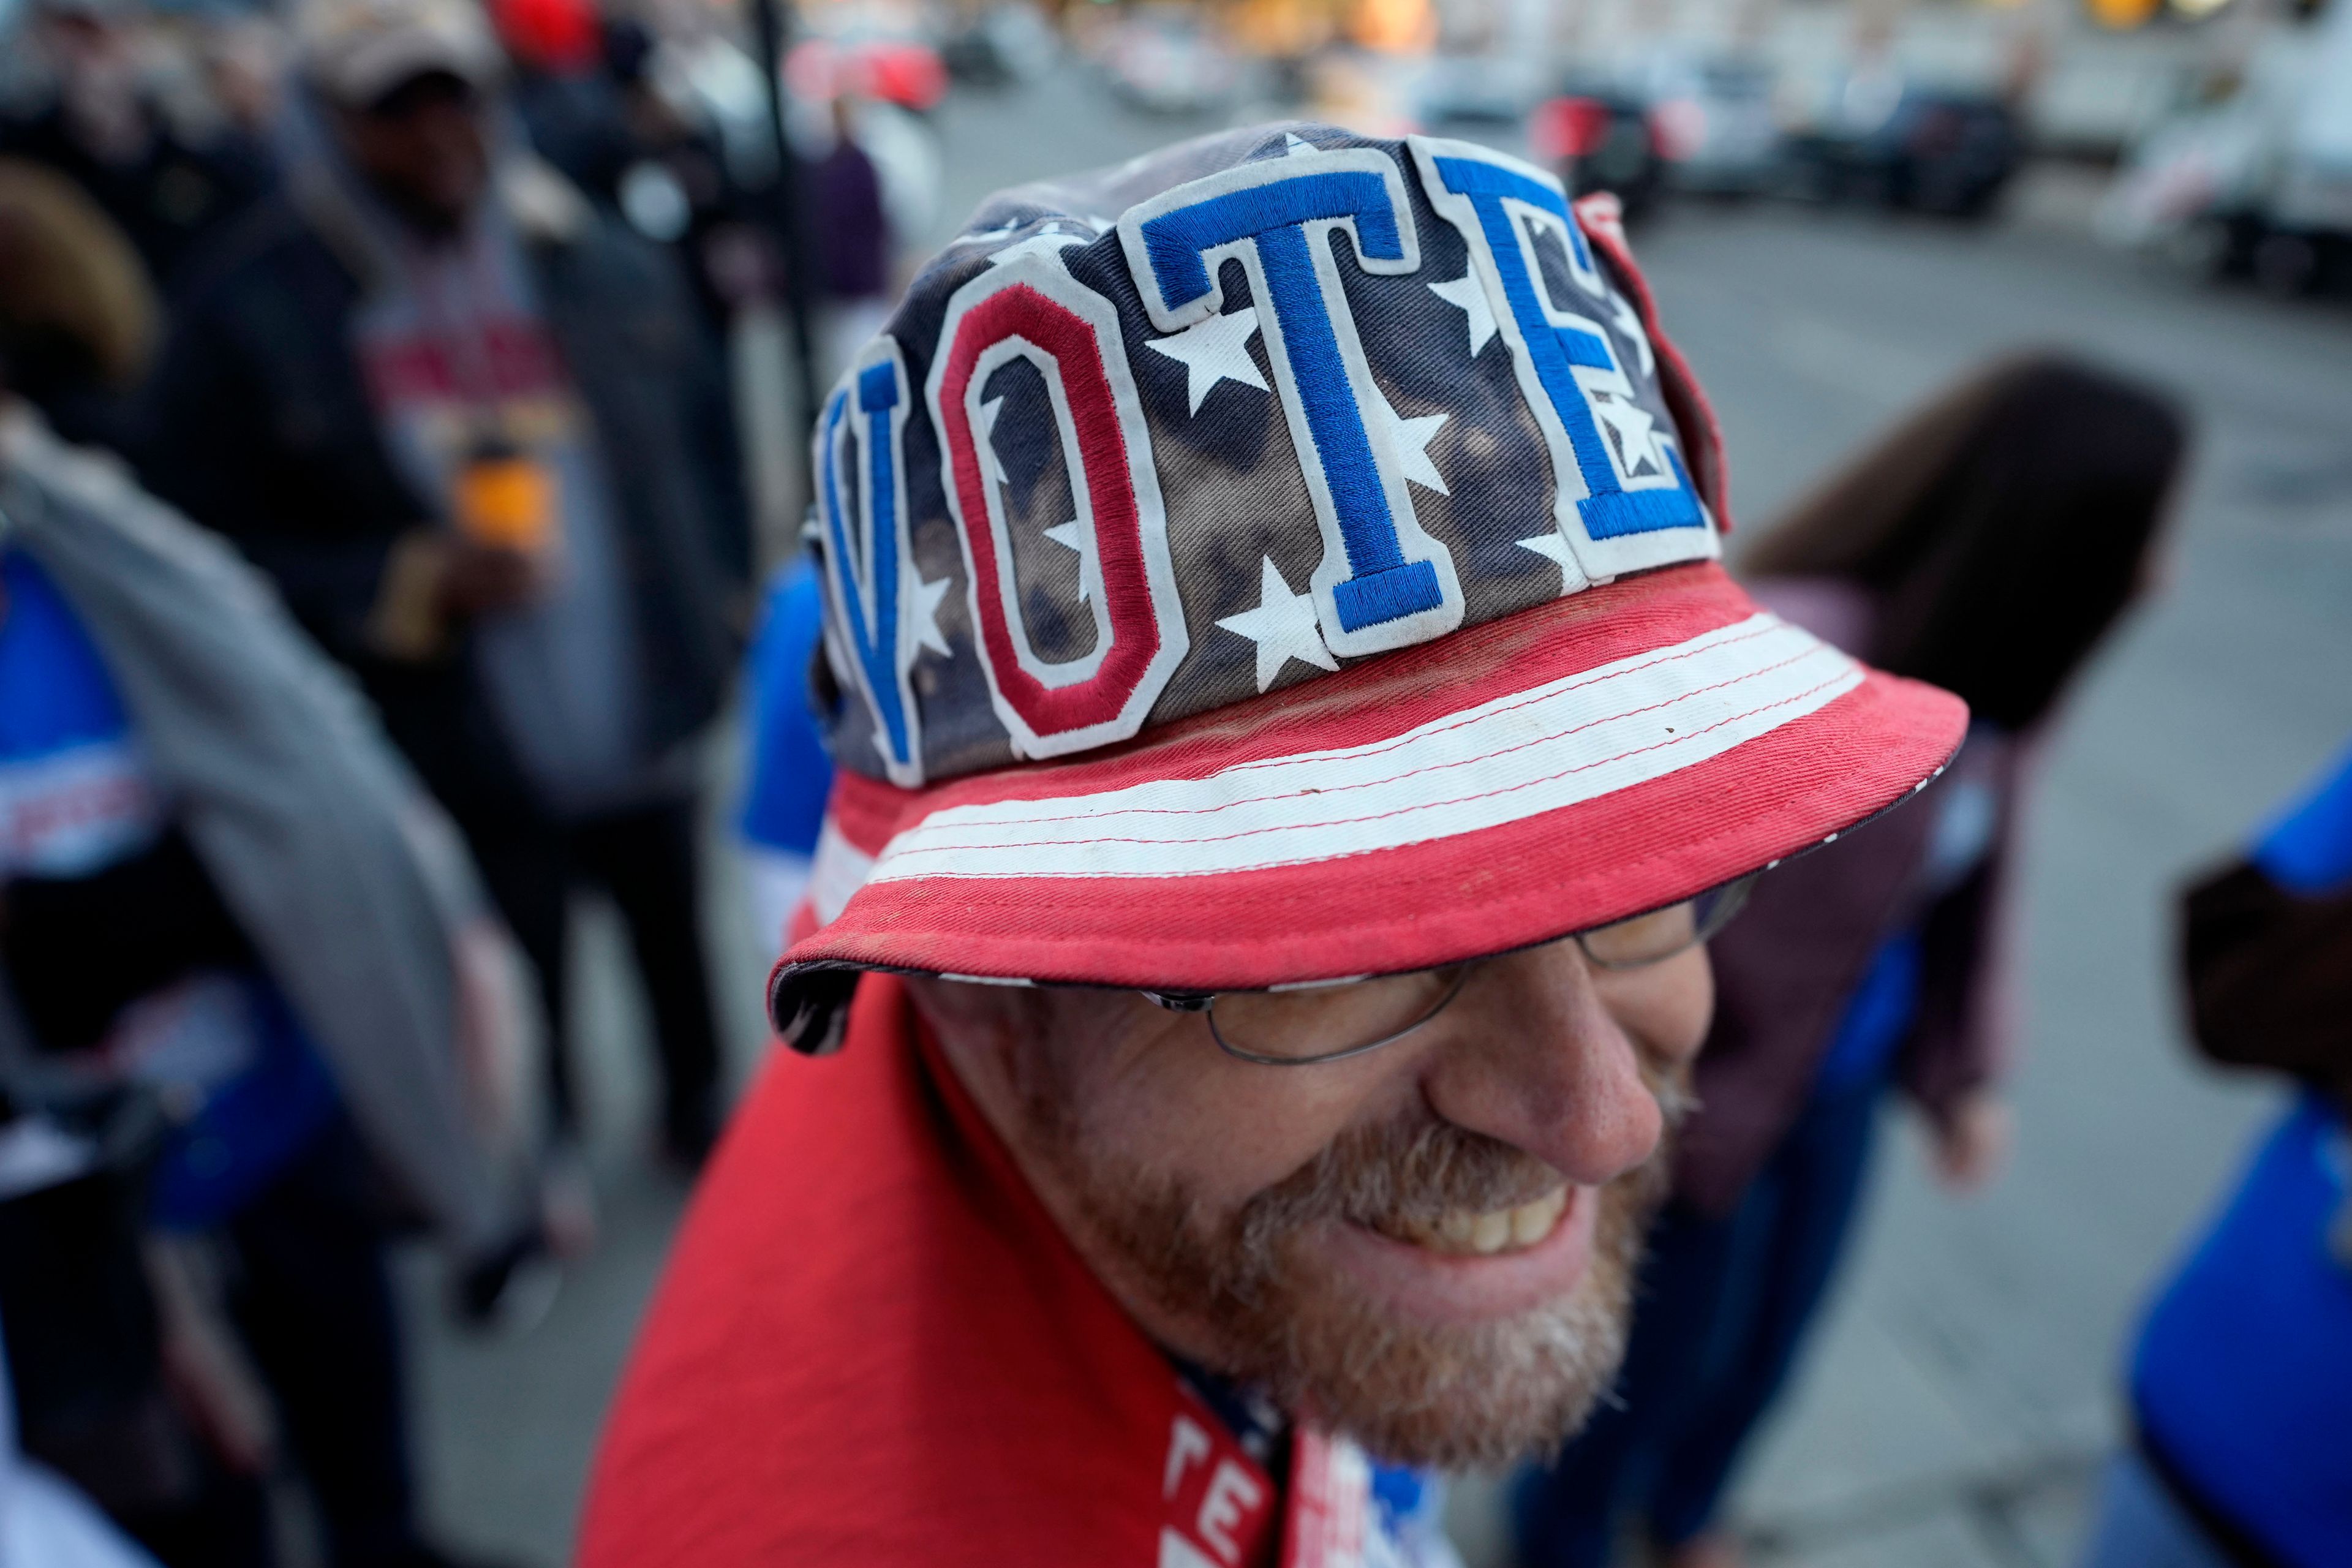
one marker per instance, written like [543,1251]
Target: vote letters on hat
[1314,232]
[1031,308]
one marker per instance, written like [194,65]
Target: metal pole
[771,31]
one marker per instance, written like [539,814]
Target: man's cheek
[1240,1159]
[1665,1009]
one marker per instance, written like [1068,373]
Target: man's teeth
[1496,1230]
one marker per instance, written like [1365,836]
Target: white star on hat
[1048,244]
[1553,547]
[1469,295]
[1282,625]
[992,466]
[1411,440]
[1634,429]
[922,602]
[1081,538]
[1214,351]
[1296,146]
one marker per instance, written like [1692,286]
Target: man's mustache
[1422,1167]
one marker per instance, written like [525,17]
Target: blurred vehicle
[2258,184]
[888,68]
[1712,121]
[1169,62]
[1005,44]
[907,152]
[1477,88]
[1945,149]
[1600,137]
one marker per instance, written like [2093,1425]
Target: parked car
[2260,184]
[1943,150]
[1477,89]
[1004,45]
[887,69]
[1171,62]
[1599,136]
[1713,121]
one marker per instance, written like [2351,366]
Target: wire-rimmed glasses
[1303,1024]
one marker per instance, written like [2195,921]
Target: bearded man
[1273,997]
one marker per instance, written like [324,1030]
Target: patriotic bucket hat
[1290,557]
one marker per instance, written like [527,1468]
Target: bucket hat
[1288,557]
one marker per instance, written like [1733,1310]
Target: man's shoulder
[854,1318]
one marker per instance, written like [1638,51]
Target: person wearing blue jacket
[2240,1383]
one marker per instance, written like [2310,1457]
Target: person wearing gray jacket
[475,433]
[222,887]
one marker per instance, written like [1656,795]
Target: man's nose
[1536,1059]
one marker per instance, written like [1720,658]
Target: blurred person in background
[101,1427]
[244,65]
[1257,1012]
[1986,545]
[2243,1373]
[221,891]
[787,772]
[474,431]
[88,110]
[680,185]
[558,86]
[80,321]
[850,234]
[582,88]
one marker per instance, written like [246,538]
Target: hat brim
[1576,763]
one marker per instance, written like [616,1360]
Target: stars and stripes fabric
[1283,518]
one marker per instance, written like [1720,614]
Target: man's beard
[1452,1395]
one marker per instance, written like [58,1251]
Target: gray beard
[1453,1396]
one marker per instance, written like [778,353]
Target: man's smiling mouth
[1472,1233]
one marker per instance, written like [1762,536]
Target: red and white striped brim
[1575,763]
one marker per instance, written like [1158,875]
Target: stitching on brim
[1811,842]
[1376,784]
[1339,822]
[1525,699]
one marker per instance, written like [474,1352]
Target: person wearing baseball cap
[472,427]
[1296,737]
[357,53]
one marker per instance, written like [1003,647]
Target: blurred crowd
[377,554]
[378,548]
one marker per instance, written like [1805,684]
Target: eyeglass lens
[1659,935]
[1316,1023]
[1330,1020]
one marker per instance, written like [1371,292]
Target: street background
[1963,1386]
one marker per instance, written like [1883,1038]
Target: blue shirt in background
[1878,1018]
[76,797]
[2243,1378]
[2244,1375]
[2307,849]
[790,773]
